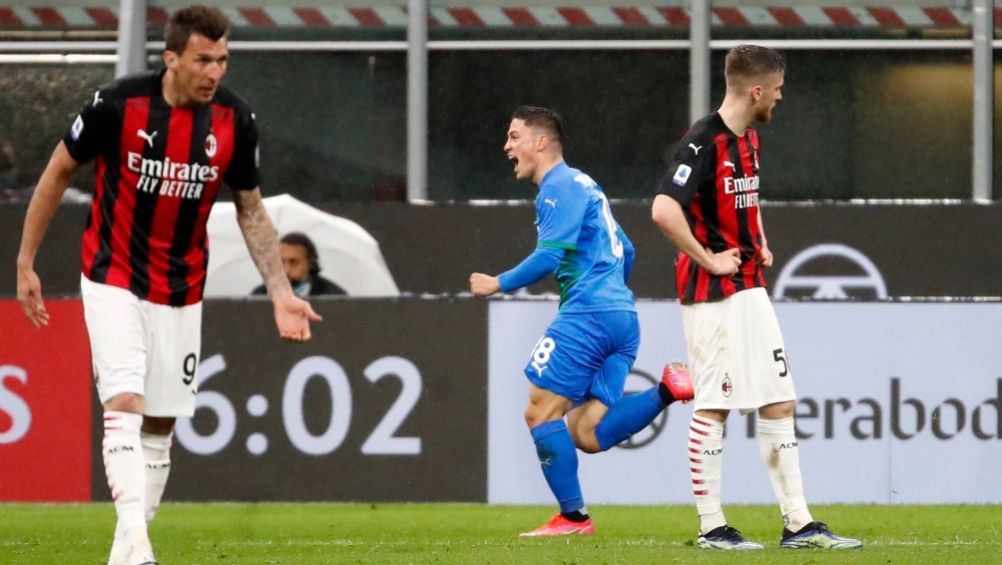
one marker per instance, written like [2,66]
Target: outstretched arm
[541,262]
[42,208]
[292,314]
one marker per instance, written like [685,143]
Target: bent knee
[584,437]
[588,445]
[530,419]
[778,410]
[158,426]
[537,414]
[125,402]
[535,417]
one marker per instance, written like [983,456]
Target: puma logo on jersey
[551,201]
[731,165]
[97,98]
[584,180]
[695,149]
[148,137]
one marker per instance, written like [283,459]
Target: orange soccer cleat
[560,526]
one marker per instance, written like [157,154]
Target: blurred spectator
[8,170]
[9,187]
[302,266]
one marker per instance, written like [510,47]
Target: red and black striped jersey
[715,179]
[157,172]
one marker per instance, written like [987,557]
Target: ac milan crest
[210,146]
[726,387]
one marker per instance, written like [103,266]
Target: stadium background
[870,151]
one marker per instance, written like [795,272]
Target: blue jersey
[573,215]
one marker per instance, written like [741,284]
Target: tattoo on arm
[261,238]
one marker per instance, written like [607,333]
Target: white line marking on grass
[919,543]
[879,542]
[430,543]
[292,542]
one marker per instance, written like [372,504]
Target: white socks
[705,455]
[123,463]
[779,451]
[778,446]
[137,465]
[156,454]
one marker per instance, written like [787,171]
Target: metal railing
[130,50]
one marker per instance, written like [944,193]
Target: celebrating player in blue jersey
[579,366]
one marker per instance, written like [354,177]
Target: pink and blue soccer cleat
[678,381]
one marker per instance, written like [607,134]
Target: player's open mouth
[514,161]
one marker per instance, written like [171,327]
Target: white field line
[880,542]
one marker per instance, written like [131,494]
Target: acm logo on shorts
[638,381]
[830,271]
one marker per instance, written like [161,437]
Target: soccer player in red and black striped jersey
[707,205]
[162,143]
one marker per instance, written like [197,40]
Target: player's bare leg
[596,427]
[582,421]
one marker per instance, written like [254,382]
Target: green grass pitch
[226,533]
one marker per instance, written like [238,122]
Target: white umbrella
[348,255]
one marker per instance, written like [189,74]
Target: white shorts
[145,348]
[736,353]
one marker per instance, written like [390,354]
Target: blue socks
[558,455]
[628,416]
[558,458]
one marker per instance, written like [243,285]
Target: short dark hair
[199,19]
[539,117]
[750,61]
[304,241]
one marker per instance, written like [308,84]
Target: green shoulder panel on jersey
[557,245]
[567,274]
